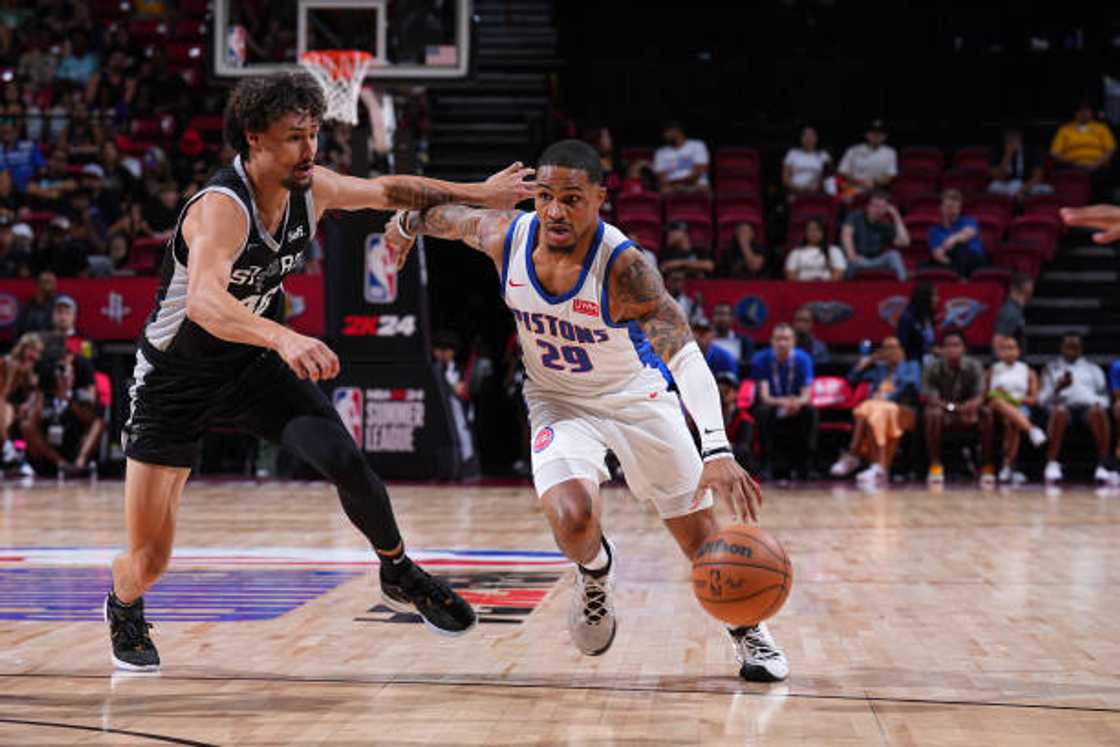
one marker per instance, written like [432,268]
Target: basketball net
[339,72]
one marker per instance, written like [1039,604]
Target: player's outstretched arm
[482,230]
[637,293]
[214,229]
[337,191]
[1104,218]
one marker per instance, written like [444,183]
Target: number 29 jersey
[570,345]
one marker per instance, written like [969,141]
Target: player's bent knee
[150,563]
[571,510]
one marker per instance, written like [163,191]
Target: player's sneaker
[1106,476]
[420,593]
[591,620]
[760,659]
[873,474]
[845,465]
[1037,436]
[1053,472]
[133,649]
[936,475]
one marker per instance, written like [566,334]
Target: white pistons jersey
[569,343]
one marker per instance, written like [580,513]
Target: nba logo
[236,46]
[348,405]
[381,271]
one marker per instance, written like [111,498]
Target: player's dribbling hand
[508,187]
[732,482]
[399,246]
[308,357]
[1104,218]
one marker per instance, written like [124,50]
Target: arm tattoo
[477,228]
[414,192]
[640,295]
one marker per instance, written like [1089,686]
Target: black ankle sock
[605,569]
[116,602]
[392,568]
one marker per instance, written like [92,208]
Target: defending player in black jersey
[213,349]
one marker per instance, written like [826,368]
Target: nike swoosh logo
[516,285]
[712,430]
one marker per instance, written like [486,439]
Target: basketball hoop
[339,72]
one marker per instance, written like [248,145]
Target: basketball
[741,575]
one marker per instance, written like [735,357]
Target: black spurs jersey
[256,279]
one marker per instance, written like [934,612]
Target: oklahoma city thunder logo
[543,439]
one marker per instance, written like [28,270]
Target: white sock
[602,559]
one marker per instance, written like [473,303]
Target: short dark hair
[879,193]
[952,332]
[1020,280]
[573,154]
[258,102]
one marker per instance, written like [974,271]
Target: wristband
[720,452]
[400,218]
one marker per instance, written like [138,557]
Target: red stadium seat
[1000,275]
[645,205]
[1072,186]
[637,153]
[736,161]
[189,30]
[745,399]
[830,392]
[991,231]
[996,207]
[184,51]
[973,157]
[645,231]
[739,214]
[971,182]
[110,10]
[145,255]
[701,234]
[1037,230]
[1018,256]
[737,184]
[805,206]
[919,225]
[921,158]
[726,200]
[194,8]
[925,204]
[688,206]
[153,127]
[38,220]
[937,275]
[908,187]
[1044,206]
[876,274]
[148,32]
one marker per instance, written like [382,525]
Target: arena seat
[1073,187]
[918,158]
[1041,231]
[970,182]
[645,205]
[688,206]
[1018,256]
[973,158]
[937,275]
[645,231]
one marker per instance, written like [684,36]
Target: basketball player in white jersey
[595,323]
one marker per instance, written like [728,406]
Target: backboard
[411,39]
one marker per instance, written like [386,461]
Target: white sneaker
[874,473]
[1053,472]
[760,659]
[1004,475]
[1037,436]
[591,620]
[1105,475]
[845,465]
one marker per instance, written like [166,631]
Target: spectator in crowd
[746,258]
[17,380]
[738,422]
[1114,385]
[816,259]
[1017,170]
[445,345]
[48,188]
[132,223]
[61,250]
[37,64]
[111,89]
[1074,390]
[719,360]
[953,389]
[89,225]
[600,139]
[888,413]
[82,137]
[161,212]
[120,182]
[1085,143]
[92,181]
[35,316]
[804,167]
[917,327]
[674,284]
[955,241]
[1011,320]
[115,262]
[11,202]
[80,63]
[679,253]
[1012,392]
[868,165]
[681,164]
[20,157]
[868,237]
[63,335]
[785,378]
[738,345]
[803,334]
[15,262]
[62,425]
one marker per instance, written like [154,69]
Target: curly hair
[258,102]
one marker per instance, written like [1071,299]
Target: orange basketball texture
[741,575]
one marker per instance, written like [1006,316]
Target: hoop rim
[339,63]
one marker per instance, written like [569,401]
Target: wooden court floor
[961,618]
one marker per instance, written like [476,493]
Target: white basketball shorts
[647,432]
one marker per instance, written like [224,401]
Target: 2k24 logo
[378,325]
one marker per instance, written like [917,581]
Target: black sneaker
[133,649]
[418,592]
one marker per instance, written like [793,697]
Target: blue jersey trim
[604,299]
[587,261]
[646,354]
[506,250]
